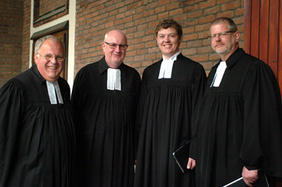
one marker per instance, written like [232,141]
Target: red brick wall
[138,19]
[26,35]
[11,26]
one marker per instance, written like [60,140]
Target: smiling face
[224,44]
[168,41]
[52,68]
[114,56]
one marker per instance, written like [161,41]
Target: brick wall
[138,19]
[26,35]
[11,26]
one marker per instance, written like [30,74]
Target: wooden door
[62,35]
[263,33]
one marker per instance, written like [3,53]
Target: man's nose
[53,59]
[218,37]
[167,38]
[118,49]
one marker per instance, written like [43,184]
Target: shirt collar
[234,57]
[103,66]
[38,75]
[173,58]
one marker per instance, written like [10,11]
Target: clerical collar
[166,66]
[54,92]
[219,74]
[113,79]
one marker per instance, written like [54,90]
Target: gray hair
[231,25]
[41,40]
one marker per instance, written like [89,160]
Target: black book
[236,183]
[181,156]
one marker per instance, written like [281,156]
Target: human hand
[191,163]
[249,176]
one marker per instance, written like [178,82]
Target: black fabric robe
[239,123]
[164,116]
[106,126]
[37,138]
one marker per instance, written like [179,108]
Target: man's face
[51,68]
[168,41]
[114,53]
[223,42]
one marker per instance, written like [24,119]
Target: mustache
[219,43]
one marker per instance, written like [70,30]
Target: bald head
[115,32]
[114,47]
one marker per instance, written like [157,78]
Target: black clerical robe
[36,138]
[164,116]
[105,126]
[239,123]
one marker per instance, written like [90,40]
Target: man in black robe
[36,126]
[171,89]
[105,97]
[239,123]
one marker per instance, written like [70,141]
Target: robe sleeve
[197,94]
[12,110]
[250,152]
[78,87]
[262,136]
[140,108]
[198,86]
[270,121]
[78,101]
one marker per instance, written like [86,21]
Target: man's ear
[180,40]
[103,46]
[237,36]
[36,57]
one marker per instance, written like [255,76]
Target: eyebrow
[166,34]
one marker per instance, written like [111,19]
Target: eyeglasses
[113,45]
[50,57]
[221,34]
